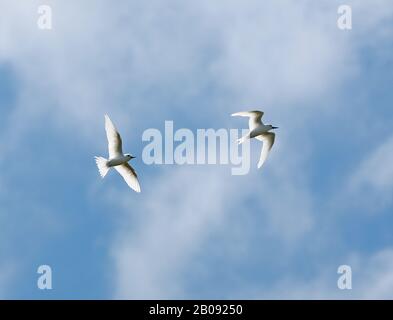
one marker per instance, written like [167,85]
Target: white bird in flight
[117,159]
[259,131]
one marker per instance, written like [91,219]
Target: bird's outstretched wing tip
[137,188]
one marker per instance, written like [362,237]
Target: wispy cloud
[372,278]
[374,176]
[157,61]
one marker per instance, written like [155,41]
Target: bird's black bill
[274,127]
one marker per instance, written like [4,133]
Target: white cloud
[374,176]
[182,210]
[262,52]
[377,169]
[151,59]
[376,278]
[372,278]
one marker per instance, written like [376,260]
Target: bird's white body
[117,159]
[259,131]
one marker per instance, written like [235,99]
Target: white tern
[117,159]
[259,131]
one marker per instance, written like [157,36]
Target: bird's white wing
[255,118]
[268,141]
[129,175]
[114,139]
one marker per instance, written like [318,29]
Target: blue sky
[323,199]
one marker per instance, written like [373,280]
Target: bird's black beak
[132,157]
[274,127]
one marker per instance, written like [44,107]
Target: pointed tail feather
[102,166]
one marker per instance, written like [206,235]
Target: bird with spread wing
[259,131]
[117,159]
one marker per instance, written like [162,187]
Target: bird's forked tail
[102,166]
